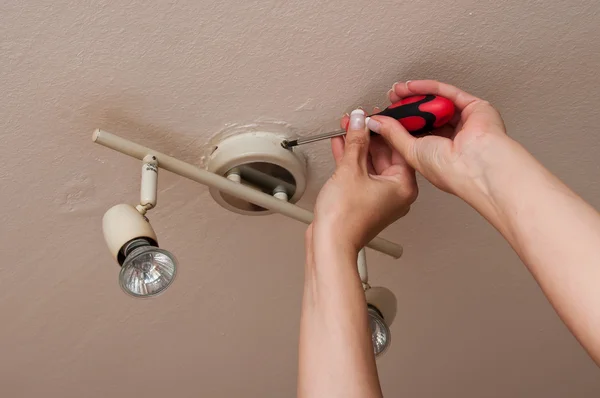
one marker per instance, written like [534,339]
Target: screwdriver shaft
[313,138]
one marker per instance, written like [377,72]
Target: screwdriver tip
[288,144]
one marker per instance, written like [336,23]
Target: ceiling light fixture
[225,185]
[146,270]
[381,308]
[380,332]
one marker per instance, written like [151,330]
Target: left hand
[372,186]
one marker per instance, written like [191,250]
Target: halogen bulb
[380,332]
[147,271]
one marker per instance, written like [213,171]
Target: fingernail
[345,114]
[357,120]
[406,84]
[373,124]
[390,91]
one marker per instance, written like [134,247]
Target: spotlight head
[382,311]
[380,332]
[146,270]
[122,224]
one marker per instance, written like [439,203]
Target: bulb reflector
[380,332]
[147,271]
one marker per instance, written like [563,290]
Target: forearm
[336,354]
[555,232]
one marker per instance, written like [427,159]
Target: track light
[222,184]
[381,308]
[146,270]
[380,332]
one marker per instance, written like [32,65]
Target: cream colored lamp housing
[146,270]
[381,308]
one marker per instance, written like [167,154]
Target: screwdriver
[418,114]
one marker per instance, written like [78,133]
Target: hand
[454,155]
[372,186]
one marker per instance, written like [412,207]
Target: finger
[461,98]
[399,161]
[381,154]
[374,158]
[392,96]
[399,91]
[405,171]
[397,158]
[370,167]
[344,121]
[480,115]
[338,143]
[445,131]
[357,140]
[395,134]
[455,119]
[337,149]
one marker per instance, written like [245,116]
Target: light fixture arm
[149,184]
[241,191]
[362,268]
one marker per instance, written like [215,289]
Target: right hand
[453,155]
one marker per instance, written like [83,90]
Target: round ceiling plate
[258,160]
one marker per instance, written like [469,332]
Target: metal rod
[265,180]
[204,177]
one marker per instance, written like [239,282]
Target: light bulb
[380,332]
[147,270]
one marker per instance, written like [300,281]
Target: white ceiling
[170,74]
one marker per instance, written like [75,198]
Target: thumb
[395,134]
[357,139]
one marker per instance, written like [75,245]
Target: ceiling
[171,74]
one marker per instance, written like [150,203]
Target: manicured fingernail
[390,91]
[406,84]
[357,120]
[394,86]
[345,114]
[373,124]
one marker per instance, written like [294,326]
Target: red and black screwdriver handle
[421,113]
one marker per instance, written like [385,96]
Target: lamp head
[146,270]
[382,311]
[380,332]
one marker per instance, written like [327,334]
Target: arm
[555,233]
[359,200]
[336,355]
